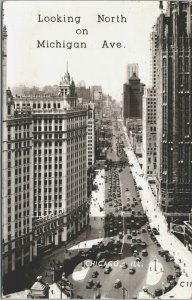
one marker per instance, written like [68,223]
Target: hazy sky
[30,65]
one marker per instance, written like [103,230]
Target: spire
[67,68]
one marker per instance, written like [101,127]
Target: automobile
[110,204]
[95,274]
[129,236]
[127,189]
[178,273]
[123,265]
[134,233]
[134,240]
[158,292]
[143,244]
[132,271]
[169,278]
[138,258]
[102,263]
[118,283]
[97,284]
[157,243]
[89,284]
[144,252]
[120,235]
[155,231]
[161,252]
[140,188]
[107,270]
[139,241]
[143,230]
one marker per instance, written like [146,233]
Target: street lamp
[61,288]
[124,290]
[163,289]
[155,260]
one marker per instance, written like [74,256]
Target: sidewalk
[96,216]
[167,241]
[55,293]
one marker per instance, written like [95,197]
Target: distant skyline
[95,65]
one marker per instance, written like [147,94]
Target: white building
[91,135]
[60,159]
[150,114]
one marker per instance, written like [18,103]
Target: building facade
[132,98]
[174,124]
[17,186]
[91,135]
[60,160]
[150,114]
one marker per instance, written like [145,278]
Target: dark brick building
[132,98]
[174,114]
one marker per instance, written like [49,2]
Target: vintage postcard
[96,149]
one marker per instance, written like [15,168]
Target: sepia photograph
[96,141]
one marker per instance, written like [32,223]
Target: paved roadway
[133,283]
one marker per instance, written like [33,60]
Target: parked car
[107,270]
[138,258]
[144,252]
[124,265]
[158,292]
[120,235]
[89,284]
[95,274]
[102,263]
[169,278]
[132,271]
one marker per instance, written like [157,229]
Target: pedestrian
[52,292]
[46,274]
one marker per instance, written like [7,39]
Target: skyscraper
[150,114]
[174,60]
[59,157]
[132,98]
[132,68]
[17,186]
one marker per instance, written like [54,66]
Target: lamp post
[124,290]
[62,286]
[163,288]
[155,260]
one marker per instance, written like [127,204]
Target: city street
[151,271]
[117,196]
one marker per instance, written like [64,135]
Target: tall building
[91,135]
[131,69]
[60,158]
[17,186]
[132,98]
[150,114]
[174,59]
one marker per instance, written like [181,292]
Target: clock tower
[67,90]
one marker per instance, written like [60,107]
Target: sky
[30,65]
